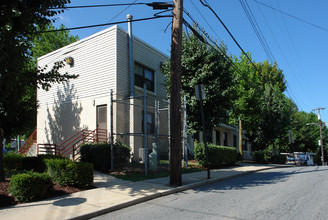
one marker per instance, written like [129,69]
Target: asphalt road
[286,193]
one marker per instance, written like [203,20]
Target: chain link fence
[141,122]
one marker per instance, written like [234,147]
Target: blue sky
[298,47]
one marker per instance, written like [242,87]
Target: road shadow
[259,178]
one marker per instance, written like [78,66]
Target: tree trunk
[2,171]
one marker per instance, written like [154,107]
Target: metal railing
[47,149]
[72,145]
[29,143]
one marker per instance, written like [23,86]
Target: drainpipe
[130,18]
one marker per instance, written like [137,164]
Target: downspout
[130,18]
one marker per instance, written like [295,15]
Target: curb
[165,193]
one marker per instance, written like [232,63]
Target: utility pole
[175,95]
[321,141]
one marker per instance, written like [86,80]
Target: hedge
[31,186]
[13,160]
[99,155]
[217,155]
[70,173]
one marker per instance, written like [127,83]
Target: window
[235,141]
[225,139]
[150,123]
[143,75]
[244,145]
[217,137]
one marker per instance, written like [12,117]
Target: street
[284,193]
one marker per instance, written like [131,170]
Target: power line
[283,54]
[257,30]
[233,38]
[292,16]
[97,6]
[215,47]
[117,15]
[98,25]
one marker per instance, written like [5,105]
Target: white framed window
[144,75]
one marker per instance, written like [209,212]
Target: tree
[42,44]
[18,26]
[260,102]
[202,64]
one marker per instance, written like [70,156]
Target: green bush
[37,164]
[279,159]
[28,187]
[217,155]
[99,155]
[67,172]
[13,160]
[262,157]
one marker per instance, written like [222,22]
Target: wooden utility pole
[241,139]
[175,95]
[321,141]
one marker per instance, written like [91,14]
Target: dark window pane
[218,138]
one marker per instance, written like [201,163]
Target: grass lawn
[136,171]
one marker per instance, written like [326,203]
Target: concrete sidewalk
[112,194]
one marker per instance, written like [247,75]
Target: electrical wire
[96,6]
[283,54]
[292,16]
[98,25]
[205,3]
[216,47]
[118,14]
[257,30]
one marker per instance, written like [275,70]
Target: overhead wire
[257,30]
[118,14]
[97,6]
[105,24]
[212,44]
[297,59]
[292,16]
[263,41]
[205,3]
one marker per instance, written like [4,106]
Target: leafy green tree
[41,44]
[260,102]
[18,25]
[202,64]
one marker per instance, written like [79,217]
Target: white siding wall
[143,54]
[95,63]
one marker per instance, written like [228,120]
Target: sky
[296,32]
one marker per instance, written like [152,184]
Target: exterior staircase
[31,141]
[69,148]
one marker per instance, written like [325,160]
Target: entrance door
[101,122]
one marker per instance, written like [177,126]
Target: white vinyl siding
[143,54]
[94,62]
[123,75]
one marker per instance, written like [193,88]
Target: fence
[142,122]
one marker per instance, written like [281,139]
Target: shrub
[261,157]
[217,155]
[13,161]
[67,172]
[31,186]
[99,155]
[279,159]
[37,164]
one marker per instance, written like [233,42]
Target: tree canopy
[260,102]
[203,64]
[18,26]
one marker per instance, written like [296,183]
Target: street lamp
[321,141]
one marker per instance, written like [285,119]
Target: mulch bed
[6,199]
